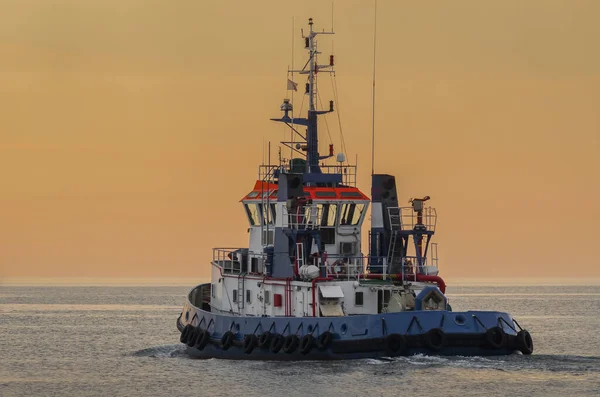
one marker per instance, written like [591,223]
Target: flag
[291,85]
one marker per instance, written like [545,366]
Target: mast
[311,68]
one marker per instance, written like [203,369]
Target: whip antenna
[373,109]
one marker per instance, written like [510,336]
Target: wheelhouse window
[351,213]
[269,215]
[253,213]
[328,214]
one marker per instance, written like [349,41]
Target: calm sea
[122,341]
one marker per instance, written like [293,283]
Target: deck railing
[341,267]
[268,172]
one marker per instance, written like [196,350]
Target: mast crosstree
[311,69]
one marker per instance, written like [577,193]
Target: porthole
[344,329]
[309,329]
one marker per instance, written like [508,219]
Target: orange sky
[129,129]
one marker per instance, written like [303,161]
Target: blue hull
[355,337]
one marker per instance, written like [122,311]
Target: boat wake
[166,351]
[555,363]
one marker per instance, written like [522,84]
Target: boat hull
[353,337]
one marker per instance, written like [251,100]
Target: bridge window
[328,214]
[351,213]
[267,216]
[253,214]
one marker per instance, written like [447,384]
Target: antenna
[373,110]
[332,15]
[292,129]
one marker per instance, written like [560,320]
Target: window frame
[362,298]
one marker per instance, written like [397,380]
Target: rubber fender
[185,333]
[202,340]
[495,337]
[291,343]
[395,343]
[276,343]
[227,340]
[264,339]
[192,335]
[306,343]
[325,340]
[525,342]
[435,339]
[250,342]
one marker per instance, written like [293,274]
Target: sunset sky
[130,129]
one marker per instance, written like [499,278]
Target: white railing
[348,172]
[303,217]
[406,218]
[238,260]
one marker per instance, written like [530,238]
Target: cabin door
[299,303]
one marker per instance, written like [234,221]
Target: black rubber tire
[227,340]
[192,336]
[264,340]
[250,342]
[276,343]
[495,338]
[395,343]
[291,344]
[325,340]
[306,344]
[202,340]
[524,342]
[435,339]
[185,333]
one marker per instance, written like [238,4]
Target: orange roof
[316,193]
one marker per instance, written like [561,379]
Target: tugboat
[304,290]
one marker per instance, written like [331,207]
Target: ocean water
[122,341]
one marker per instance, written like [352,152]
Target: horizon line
[182,281]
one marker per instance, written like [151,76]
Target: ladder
[240,294]
[300,254]
[392,247]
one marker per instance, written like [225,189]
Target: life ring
[227,340]
[192,335]
[264,339]
[325,340]
[290,344]
[185,332]
[396,343]
[202,339]
[276,343]
[250,342]
[435,339]
[306,343]
[525,342]
[495,337]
